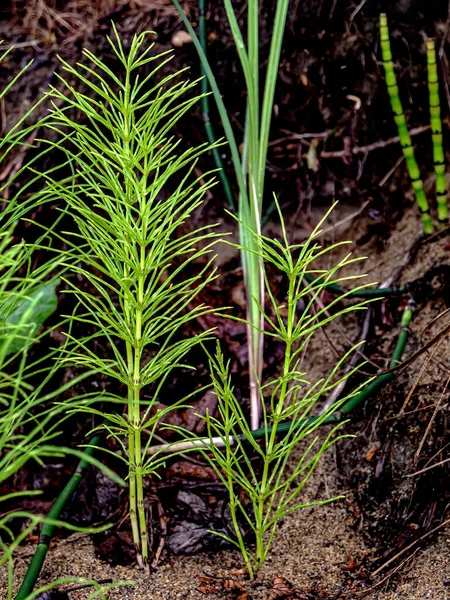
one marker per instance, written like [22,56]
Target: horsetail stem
[132,234]
[131,447]
[133,314]
[436,130]
[399,117]
[136,380]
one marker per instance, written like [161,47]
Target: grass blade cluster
[250,168]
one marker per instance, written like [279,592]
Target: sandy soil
[312,550]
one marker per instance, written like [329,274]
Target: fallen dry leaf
[284,590]
[207,585]
[371,453]
[239,572]
[231,585]
[351,566]
[189,470]
[212,585]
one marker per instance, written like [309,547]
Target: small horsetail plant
[132,190]
[436,132]
[250,168]
[261,496]
[405,139]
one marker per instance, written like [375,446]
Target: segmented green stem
[405,139]
[133,315]
[261,509]
[131,410]
[132,474]
[137,384]
[436,129]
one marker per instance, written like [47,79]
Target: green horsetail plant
[436,131]
[132,190]
[399,117]
[250,168]
[260,496]
[30,421]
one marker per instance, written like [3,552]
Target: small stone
[180,38]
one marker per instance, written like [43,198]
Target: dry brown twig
[378,145]
[444,331]
[422,371]
[389,575]
[425,469]
[162,539]
[409,547]
[431,421]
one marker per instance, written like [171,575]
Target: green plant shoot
[261,497]
[131,191]
[250,168]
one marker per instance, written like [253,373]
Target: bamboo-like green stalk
[436,130]
[136,418]
[399,117]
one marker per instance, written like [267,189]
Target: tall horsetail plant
[405,139]
[436,133]
[250,167]
[132,189]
